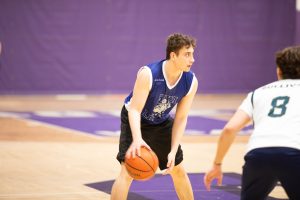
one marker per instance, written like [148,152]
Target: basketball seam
[153,155]
[137,168]
[147,162]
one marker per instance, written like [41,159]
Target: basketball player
[274,147]
[146,120]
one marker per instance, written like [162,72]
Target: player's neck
[172,71]
[279,73]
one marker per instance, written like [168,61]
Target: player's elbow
[181,119]
[229,130]
[134,111]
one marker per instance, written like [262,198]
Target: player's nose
[192,59]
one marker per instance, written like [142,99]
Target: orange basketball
[142,167]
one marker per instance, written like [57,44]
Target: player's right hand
[214,173]
[135,148]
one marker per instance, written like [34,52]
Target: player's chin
[188,68]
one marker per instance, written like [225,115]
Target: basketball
[142,167]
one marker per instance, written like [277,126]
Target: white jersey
[275,110]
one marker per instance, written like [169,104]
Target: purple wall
[97,46]
[297,40]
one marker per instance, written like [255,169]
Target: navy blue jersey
[162,98]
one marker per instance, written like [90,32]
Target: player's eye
[187,54]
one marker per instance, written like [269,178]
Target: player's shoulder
[155,63]
[282,84]
[155,68]
[144,72]
[266,87]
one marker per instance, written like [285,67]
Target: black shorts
[264,167]
[157,136]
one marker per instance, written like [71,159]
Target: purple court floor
[161,188]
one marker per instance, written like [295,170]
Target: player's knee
[128,178]
[124,175]
[178,171]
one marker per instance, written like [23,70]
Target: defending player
[274,146]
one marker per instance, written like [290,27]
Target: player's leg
[121,185]
[289,172]
[159,138]
[258,178]
[182,183]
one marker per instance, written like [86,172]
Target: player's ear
[279,73]
[172,55]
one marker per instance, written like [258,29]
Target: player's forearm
[177,132]
[235,124]
[226,139]
[135,123]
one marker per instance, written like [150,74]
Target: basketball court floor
[63,147]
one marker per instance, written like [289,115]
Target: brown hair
[176,41]
[288,61]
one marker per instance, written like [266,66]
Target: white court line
[13,115]
[66,113]
[108,133]
[115,113]
[72,97]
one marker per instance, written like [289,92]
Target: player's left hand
[171,163]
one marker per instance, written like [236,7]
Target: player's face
[185,58]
